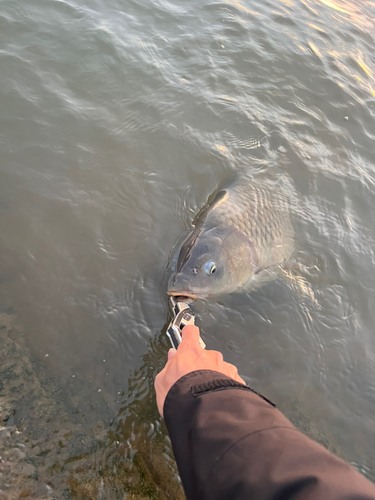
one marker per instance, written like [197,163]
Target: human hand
[189,357]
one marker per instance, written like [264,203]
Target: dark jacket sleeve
[232,444]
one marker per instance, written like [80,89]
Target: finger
[218,357]
[233,373]
[190,333]
[190,338]
[171,353]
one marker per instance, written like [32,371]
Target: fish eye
[210,267]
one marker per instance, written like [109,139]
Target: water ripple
[118,122]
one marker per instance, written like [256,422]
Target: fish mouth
[183,295]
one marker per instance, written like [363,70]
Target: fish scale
[254,212]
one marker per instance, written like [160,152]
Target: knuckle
[219,357]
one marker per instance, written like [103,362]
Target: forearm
[230,443]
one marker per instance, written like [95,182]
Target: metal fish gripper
[183,316]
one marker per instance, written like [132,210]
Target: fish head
[212,262]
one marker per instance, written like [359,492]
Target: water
[118,120]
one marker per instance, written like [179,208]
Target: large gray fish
[241,234]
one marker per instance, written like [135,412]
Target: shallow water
[118,120]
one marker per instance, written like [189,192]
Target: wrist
[197,383]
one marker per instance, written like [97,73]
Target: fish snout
[179,286]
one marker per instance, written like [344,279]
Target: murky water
[118,120]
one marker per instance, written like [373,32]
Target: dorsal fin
[213,201]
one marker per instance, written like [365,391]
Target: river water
[118,120]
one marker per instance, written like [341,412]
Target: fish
[238,239]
